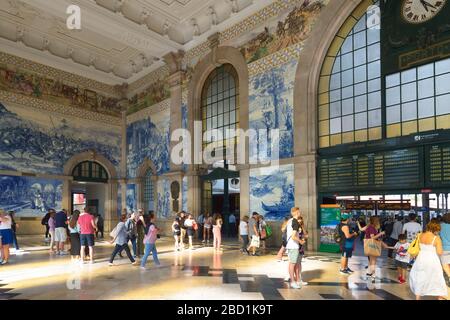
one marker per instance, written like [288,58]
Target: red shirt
[371,231]
[85,222]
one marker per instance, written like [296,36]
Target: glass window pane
[360,57]
[426,108]
[443,84]
[393,80]
[360,88]
[347,61]
[374,100]
[361,74]
[409,111]
[347,45]
[375,118]
[347,106]
[232,104]
[393,114]
[373,52]
[226,119]
[374,70]
[347,78]
[392,96]
[335,81]
[337,65]
[409,92]
[361,103]
[443,105]
[442,66]
[347,92]
[361,121]
[409,75]
[335,126]
[373,36]
[425,71]
[426,88]
[335,109]
[335,95]
[359,39]
[360,25]
[220,107]
[347,123]
[233,117]
[374,85]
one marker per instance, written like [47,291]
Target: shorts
[6,236]
[177,233]
[445,258]
[87,240]
[60,235]
[347,253]
[255,242]
[294,256]
[190,232]
[401,264]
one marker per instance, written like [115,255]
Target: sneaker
[303,283]
[344,272]
[143,268]
[111,264]
[295,285]
[133,263]
[4,262]
[349,270]
[287,279]
[91,261]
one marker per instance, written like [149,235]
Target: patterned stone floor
[34,273]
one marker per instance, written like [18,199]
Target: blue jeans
[150,247]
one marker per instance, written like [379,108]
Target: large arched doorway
[93,184]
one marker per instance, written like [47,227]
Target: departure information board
[387,169]
[438,173]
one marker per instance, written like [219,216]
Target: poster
[330,216]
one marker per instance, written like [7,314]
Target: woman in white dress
[426,277]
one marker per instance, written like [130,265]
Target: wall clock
[420,11]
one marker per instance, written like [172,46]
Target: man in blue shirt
[60,232]
[347,244]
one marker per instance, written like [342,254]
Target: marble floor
[34,273]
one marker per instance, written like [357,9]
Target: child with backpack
[151,235]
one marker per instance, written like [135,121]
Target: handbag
[372,247]
[414,247]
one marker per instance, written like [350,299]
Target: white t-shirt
[291,225]
[401,250]
[412,229]
[189,223]
[243,228]
[6,223]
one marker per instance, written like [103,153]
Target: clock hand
[426,4]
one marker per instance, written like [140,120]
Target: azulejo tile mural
[31,84]
[163,208]
[272,191]
[149,138]
[294,27]
[43,142]
[29,196]
[271,107]
[131,197]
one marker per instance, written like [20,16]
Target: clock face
[419,11]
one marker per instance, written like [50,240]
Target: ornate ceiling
[120,40]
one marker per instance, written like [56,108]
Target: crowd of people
[425,252]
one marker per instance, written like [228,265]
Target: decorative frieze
[144,113]
[9,97]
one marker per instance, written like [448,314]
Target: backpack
[130,232]
[269,231]
[45,219]
[338,235]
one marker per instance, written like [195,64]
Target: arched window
[350,85]
[355,102]
[149,190]
[220,106]
[90,171]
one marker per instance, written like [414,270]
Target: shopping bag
[414,247]
[372,247]
[113,233]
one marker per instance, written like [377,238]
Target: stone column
[67,194]
[244,206]
[140,193]
[306,197]
[111,218]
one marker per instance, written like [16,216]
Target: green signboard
[330,216]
